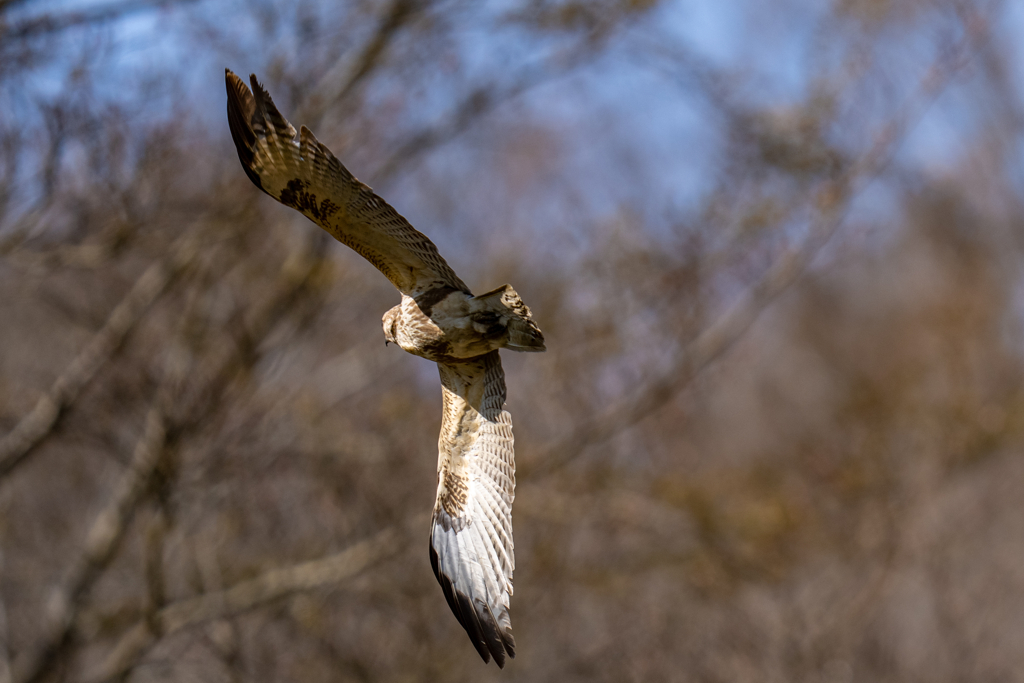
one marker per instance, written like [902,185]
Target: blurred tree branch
[30,431]
[480,101]
[279,583]
[170,417]
[332,87]
[105,534]
[251,594]
[831,203]
[5,659]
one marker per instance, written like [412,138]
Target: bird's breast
[440,328]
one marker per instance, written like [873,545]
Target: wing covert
[298,171]
[471,549]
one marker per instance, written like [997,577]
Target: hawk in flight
[438,319]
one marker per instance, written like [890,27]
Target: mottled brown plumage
[471,548]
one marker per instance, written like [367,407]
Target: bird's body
[449,325]
[439,319]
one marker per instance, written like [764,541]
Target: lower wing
[471,547]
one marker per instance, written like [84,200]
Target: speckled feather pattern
[298,171]
[471,541]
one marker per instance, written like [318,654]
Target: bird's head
[389,322]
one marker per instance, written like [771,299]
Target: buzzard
[438,319]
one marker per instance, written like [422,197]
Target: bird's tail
[523,333]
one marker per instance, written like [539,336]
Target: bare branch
[251,594]
[19,443]
[280,583]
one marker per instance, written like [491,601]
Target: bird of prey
[438,319]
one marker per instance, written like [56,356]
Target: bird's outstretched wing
[298,171]
[471,539]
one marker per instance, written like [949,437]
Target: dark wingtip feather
[486,636]
[508,641]
[491,634]
[471,622]
[241,109]
[257,87]
[265,104]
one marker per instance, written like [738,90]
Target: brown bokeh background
[776,255]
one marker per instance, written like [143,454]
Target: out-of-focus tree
[774,248]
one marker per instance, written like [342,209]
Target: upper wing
[471,537]
[298,171]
